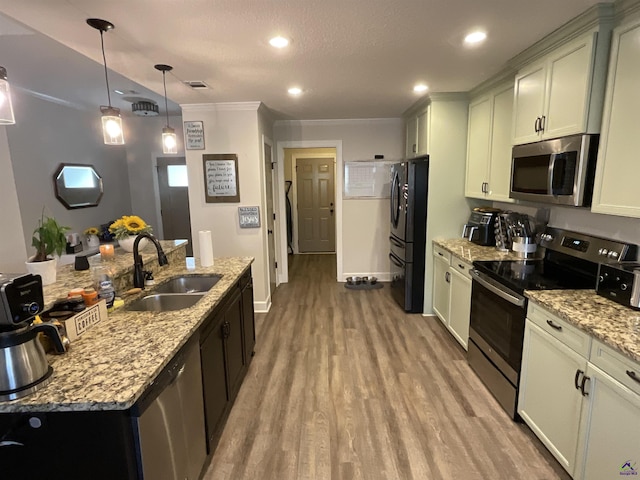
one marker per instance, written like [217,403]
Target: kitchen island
[87,412]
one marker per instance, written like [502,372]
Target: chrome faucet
[138,273]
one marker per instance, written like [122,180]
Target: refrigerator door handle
[396,242]
[395,261]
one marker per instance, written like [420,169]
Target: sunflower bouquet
[92,231]
[128,225]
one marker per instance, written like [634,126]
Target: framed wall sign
[194,135]
[221,184]
[249,217]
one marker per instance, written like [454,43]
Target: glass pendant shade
[169,140]
[6,109]
[112,126]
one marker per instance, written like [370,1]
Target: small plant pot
[47,270]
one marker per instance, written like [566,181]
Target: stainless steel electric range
[498,303]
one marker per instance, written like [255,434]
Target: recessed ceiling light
[475,38]
[279,42]
[294,91]
[420,88]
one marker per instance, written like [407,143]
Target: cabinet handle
[633,376]
[226,330]
[414,148]
[576,379]
[582,384]
[536,125]
[447,277]
[461,266]
[543,122]
[440,254]
[553,325]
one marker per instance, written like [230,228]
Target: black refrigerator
[409,187]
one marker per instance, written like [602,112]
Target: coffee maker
[25,368]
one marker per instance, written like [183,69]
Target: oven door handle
[495,287]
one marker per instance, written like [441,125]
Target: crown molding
[225,106]
[337,121]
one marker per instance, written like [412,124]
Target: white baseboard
[381,276]
[262,307]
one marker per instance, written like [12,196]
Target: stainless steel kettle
[25,368]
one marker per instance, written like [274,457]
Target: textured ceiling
[353,58]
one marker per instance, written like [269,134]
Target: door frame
[283,273]
[294,189]
[276,209]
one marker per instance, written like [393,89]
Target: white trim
[339,121]
[283,273]
[225,106]
[262,307]
[275,187]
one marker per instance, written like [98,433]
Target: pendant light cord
[166,108]
[104,58]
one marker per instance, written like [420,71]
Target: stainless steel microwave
[557,171]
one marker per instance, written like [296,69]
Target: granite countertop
[470,252]
[111,365]
[615,325]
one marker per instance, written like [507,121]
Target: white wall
[45,135]
[365,223]
[230,128]
[143,148]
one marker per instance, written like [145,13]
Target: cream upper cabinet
[558,96]
[618,168]
[411,146]
[417,133]
[489,145]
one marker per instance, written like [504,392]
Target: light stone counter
[470,252]
[110,366]
[613,324]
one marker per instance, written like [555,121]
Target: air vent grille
[196,84]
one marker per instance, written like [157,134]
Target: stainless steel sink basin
[188,284]
[165,302]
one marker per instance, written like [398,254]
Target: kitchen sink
[188,284]
[165,302]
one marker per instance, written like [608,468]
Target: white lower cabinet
[459,301]
[452,293]
[610,428]
[441,283]
[580,398]
[549,401]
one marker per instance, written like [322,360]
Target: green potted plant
[48,238]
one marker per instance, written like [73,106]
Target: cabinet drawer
[571,336]
[622,368]
[461,266]
[442,253]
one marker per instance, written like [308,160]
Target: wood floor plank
[347,386]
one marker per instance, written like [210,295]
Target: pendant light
[6,110]
[111,121]
[169,138]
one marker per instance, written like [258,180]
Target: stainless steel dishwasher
[169,421]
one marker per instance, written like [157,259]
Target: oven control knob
[613,254]
[601,279]
[623,286]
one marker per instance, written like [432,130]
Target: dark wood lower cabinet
[226,337]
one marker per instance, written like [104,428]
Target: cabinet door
[478,147]
[233,347]
[216,396]
[618,168]
[548,400]
[248,322]
[423,132]
[609,433]
[500,160]
[568,89]
[528,103]
[411,147]
[441,288]
[459,304]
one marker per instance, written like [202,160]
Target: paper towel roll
[206,248]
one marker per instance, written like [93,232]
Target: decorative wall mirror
[77,185]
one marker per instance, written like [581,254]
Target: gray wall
[47,134]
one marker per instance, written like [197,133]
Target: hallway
[344,385]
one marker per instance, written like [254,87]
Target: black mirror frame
[64,201]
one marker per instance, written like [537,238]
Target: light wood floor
[345,385]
